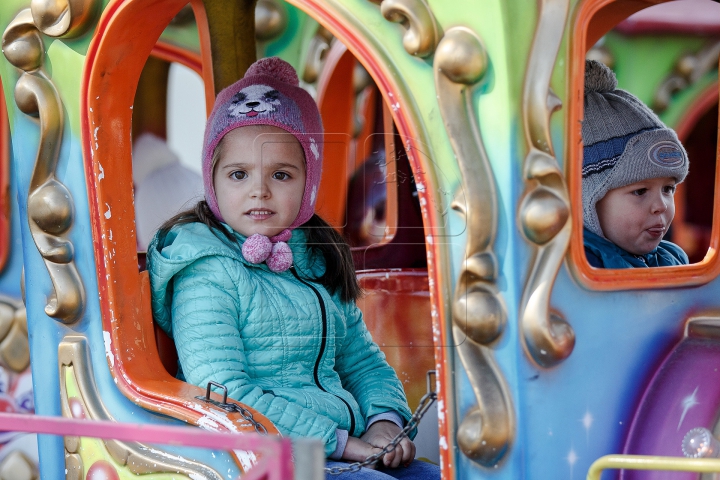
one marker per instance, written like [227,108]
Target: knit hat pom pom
[281,257]
[274,67]
[599,78]
[257,248]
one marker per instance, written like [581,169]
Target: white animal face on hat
[254,101]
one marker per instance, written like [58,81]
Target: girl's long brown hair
[321,239]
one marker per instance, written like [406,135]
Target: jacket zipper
[323,343]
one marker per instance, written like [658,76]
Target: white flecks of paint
[108,351]
[102,172]
[111,235]
[443,443]
[423,202]
[440,405]
[314,148]
[688,402]
[420,187]
[91,109]
[396,106]
[247,459]
[108,214]
[429,239]
[208,424]
[95,132]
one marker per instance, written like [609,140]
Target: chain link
[232,407]
[425,403]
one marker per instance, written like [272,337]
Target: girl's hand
[381,434]
[356,450]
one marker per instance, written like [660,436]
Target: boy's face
[637,216]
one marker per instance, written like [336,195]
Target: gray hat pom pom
[599,78]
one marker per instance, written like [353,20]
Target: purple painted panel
[683,394]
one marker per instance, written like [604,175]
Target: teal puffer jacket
[280,344]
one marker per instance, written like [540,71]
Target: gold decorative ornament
[50,205]
[545,208]
[63,18]
[422,32]
[479,315]
[14,346]
[79,397]
[688,70]
[17,466]
[601,54]
[317,51]
[270,20]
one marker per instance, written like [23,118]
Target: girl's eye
[238,175]
[281,176]
[669,189]
[639,192]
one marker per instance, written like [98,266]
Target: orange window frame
[594,18]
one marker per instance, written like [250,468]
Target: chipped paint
[108,214]
[108,350]
[102,172]
[247,459]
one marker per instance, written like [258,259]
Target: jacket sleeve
[364,372]
[206,330]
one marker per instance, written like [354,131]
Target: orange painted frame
[386,79]
[123,292]
[613,279]
[126,34]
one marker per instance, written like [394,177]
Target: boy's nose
[660,203]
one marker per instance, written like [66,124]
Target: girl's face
[259,179]
[637,216]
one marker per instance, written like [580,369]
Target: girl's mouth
[259,214]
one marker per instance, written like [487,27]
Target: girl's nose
[259,189]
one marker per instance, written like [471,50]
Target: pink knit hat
[268,94]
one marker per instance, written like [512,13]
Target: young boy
[631,165]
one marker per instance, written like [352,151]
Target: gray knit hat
[623,142]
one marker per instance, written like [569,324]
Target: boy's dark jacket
[602,253]
[261,334]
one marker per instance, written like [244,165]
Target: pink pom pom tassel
[281,258]
[257,248]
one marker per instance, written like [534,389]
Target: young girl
[259,293]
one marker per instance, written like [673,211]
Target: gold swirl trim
[479,315]
[545,208]
[271,18]
[422,31]
[14,345]
[64,18]
[688,70]
[50,204]
[75,364]
[317,51]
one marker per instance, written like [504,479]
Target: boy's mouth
[656,230]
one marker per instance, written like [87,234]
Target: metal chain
[232,407]
[425,403]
